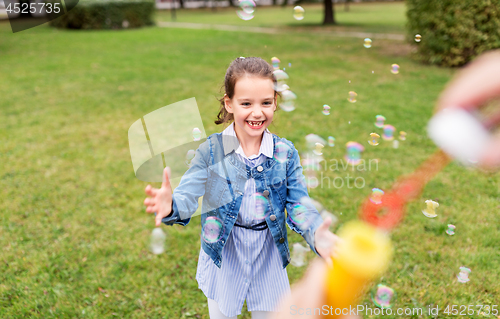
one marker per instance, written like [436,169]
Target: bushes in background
[453,31]
[107,14]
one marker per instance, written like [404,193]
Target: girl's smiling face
[252,106]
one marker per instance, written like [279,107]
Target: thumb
[326,223]
[491,159]
[166,177]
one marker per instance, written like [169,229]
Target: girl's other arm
[316,233]
[296,189]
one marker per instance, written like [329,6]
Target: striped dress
[251,267]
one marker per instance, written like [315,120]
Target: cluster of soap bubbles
[387,132]
[311,159]
[288,98]
[247,9]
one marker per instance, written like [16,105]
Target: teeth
[255,123]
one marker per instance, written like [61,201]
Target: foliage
[100,14]
[453,32]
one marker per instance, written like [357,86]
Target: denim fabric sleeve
[296,189]
[191,188]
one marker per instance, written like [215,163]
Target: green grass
[73,229]
[370,17]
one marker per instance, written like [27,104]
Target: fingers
[475,84]
[151,191]
[492,157]
[166,179]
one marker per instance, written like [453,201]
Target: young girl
[247,177]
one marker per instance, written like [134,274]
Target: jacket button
[260,168]
[282,240]
[272,217]
[265,193]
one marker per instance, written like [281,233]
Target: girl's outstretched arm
[160,200]
[183,201]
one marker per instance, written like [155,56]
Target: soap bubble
[402,135]
[451,230]
[395,144]
[331,141]
[312,139]
[303,213]
[388,132]
[463,276]
[379,121]
[418,38]
[157,241]
[281,78]
[430,211]
[196,134]
[383,296]
[352,96]
[394,69]
[376,196]
[212,230]
[374,139]
[353,155]
[318,149]
[298,255]
[261,207]
[280,154]
[288,98]
[326,109]
[298,13]
[247,9]
[275,62]
[368,43]
[189,157]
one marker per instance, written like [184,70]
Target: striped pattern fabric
[251,267]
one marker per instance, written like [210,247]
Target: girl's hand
[324,240]
[160,200]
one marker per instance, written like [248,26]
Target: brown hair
[237,69]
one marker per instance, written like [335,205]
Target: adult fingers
[475,84]
[491,158]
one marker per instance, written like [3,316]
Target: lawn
[73,229]
[368,17]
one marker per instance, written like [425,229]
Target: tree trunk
[231,4]
[181,2]
[329,12]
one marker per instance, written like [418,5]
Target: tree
[329,12]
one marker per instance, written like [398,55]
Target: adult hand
[160,200]
[473,86]
[307,295]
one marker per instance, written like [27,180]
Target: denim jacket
[219,176]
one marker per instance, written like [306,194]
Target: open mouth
[255,124]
